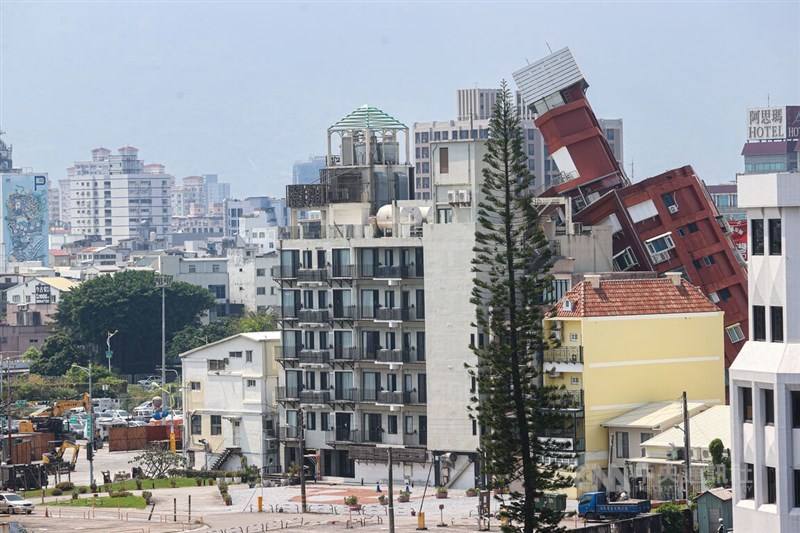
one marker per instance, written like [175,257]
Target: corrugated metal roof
[59,283]
[555,72]
[368,117]
[714,423]
[653,415]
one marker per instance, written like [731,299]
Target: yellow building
[625,343]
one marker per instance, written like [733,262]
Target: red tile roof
[59,253]
[626,297]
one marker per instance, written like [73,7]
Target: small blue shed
[712,505]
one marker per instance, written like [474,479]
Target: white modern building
[250,279]
[229,402]
[118,198]
[765,377]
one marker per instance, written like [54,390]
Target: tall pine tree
[511,263]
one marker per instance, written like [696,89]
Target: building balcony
[315,396]
[372,271]
[342,271]
[284,272]
[571,399]
[312,275]
[564,354]
[370,436]
[415,439]
[393,356]
[341,312]
[344,355]
[341,395]
[391,314]
[289,312]
[395,398]
[289,433]
[341,436]
[287,353]
[314,357]
[287,394]
[369,395]
[313,316]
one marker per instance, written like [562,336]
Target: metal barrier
[123,515]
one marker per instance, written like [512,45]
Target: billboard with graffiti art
[739,235]
[25,224]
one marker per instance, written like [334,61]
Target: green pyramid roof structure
[368,117]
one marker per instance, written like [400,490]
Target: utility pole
[163,281]
[687,450]
[303,501]
[391,494]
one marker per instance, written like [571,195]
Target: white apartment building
[765,377]
[33,302]
[250,278]
[118,198]
[229,402]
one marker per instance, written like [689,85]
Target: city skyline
[229,89]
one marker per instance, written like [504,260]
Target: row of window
[768,406]
[760,323]
[623,450]
[773,237]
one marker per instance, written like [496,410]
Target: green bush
[672,516]
[56,492]
[83,490]
[65,486]
[223,487]
[120,494]
[147,495]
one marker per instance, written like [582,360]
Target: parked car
[114,413]
[149,380]
[12,503]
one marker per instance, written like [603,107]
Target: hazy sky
[245,89]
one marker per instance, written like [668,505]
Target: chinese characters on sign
[739,236]
[42,294]
[766,123]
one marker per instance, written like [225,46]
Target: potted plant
[383,500]
[352,502]
[148,496]
[472,492]
[228,499]
[404,496]
[441,493]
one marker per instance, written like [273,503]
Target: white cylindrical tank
[384,218]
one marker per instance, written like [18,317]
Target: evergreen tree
[511,263]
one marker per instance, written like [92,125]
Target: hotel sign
[792,122]
[766,124]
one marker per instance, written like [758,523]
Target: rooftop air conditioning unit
[22,308]
[452,197]
[673,208]
[464,197]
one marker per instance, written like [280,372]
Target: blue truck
[595,505]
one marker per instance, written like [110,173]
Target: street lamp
[90,426]
[109,353]
[162,282]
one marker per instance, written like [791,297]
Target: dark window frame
[774,231]
[776,323]
[746,394]
[769,407]
[759,323]
[757,236]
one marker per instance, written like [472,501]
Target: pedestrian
[721,528]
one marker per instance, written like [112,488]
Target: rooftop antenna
[767,99]
[548,47]
[632,174]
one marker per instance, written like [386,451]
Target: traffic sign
[109,353]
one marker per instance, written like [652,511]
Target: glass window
[668,199]
[531,134]
[644,438]
[197,425]
[769,407]
[424,137]
[795,409]
[797,488]
[759,323]
[622,444]
[692,227]
[724,294]
[409,427]
[774,226]
[757,236]
[444,135]
[392,422]
[216,424]
[776,323]
[444,161]
[735,333]
[747,403]
[249,356]
[771,492]
[261,272]
[708,260]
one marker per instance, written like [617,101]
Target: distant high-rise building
[116,198]
[304,172]
[234,210]
[6,163]
[216,192]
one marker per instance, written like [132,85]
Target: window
[392,420]
[426,167]
[774,226]
[795,398]
[625,260]
[797,488]
[235,354]
[759,323]
[576,380]
[692,227]
[248,356]
[409,428]
[573,337]
[444,160]
[747,403]
[644,437]
[610,135]
[769,407]
[681,232]
[735,333]
[215,267]
[197,425]
[697,264]
[217,290]
[216,424]
[757,236]
[192,269]
[311,421]
[216,364]
[776,323]
[261,291]
[659,244]
[724,294]
[622,444]
[771,492]
[194,385]
[669,201]
[748,481]
[323,422]
[261,272]
[251,383]
[708,260]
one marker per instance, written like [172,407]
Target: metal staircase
[229,451]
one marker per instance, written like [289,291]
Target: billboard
[766,124]
[25,224]
[739,235]
[793,121]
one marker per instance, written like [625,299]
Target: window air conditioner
[673,208]
[452,197]
[464,196]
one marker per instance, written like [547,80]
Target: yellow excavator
[54,461]
[61,407]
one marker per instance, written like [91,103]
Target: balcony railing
[341,435]
[341,355]
[344,312]
[287,352]
[342,271]
[315,396]
[394,398]
[393,356]
[287,393]
[289,433]
[289,312]
[391,313]
[310,275]
[369,395]
[313,316]
[571,399]
[344,395]
[314,356]
[284,272]
[564,354]
[366,436]
[415,439]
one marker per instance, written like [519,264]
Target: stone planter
[403,499]
[471,493]
[354,507]
[441,495]
[237,479]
